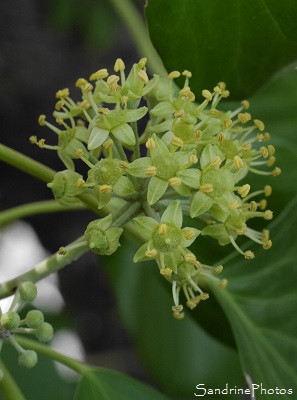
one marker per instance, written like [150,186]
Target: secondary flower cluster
[32,324]
[190,158]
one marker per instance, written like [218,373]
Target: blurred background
[46,46]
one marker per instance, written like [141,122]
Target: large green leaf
[243,43]
[104,384]
[260,302]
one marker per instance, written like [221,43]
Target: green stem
[136,26]
[127,214]
[26,164]
[38,207]
[47,351]
[136,146]
[8,386]
[50,265]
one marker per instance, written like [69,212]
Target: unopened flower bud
[10,320]
[28,359]
[28,291]
[44,332]
[34,319]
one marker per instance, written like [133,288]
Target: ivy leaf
[261,311]
[241,43]
[100,383]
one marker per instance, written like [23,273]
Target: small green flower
[101,237]
[65,187]
[166,241]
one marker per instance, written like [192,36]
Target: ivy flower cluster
[33,324]
[154,154]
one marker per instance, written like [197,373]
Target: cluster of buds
[189,159]
[11,324]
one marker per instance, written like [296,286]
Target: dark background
[46,46]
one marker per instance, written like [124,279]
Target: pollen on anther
[163,229]
[207,94]
[175,182]
[249,255]
[267,245]
[206,188]
[244,190]
[142,75]
[238,163]
[151,171]
[151,253]
[259,124]
[174,75]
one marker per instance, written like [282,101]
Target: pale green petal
[124,187]
[187,242]
[124,133]
[97,137]
[137,167]
[200,204]
[218,232]
[146,226]
[163,108]
[140,254]
[135,115]
[160,150]
[156,188]
[173,214]
[190,177]
[209,153]
[150,85]
[105,222]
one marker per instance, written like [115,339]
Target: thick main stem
[9,387]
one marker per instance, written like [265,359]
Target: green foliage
[241,43]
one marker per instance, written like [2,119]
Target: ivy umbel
[155,155]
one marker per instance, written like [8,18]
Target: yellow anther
[233,204]
[271,149]
[227,123]
[166,271]
[112,82]
[119,65]
[220,136]
[260,137]
[59,121]
[204,296]
[33,139]
[267,190]
[190,258]
[198,135]
[41,143]
[177,309]
[175,182]
[150,171]
[100,74]
[81,82]
[41,120]
[249,255]
[191,304]
[163,229]
[271,161]
[187,73]
[246,147]
[78,153]
[214,112]
[244,190]
[242,230]
[178,316]
[103,110]
[263,204]
[176,141]
[206,93]
[206,188]
[84,105]
[179,114]
[222,85]
[123,164]
[184,91]
[174,75]
[107,144]
[265,235]
[124,99]
[105,188]
[151,253]
[217,90]
[237,162]
[244,117]
[222,284]
[80,122]
[264,151]
[150,143]
[62,251]
[268,215]
[216,162]
[267,245]
[245,104]
[253,206]
[193,159]
[259,124]
[189,233]
[266,136]
[62,94]
[225,93]
[217,270]
[142,62]
[88,88]
[142,75]
[80,183]
[59,104]
[277,171]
